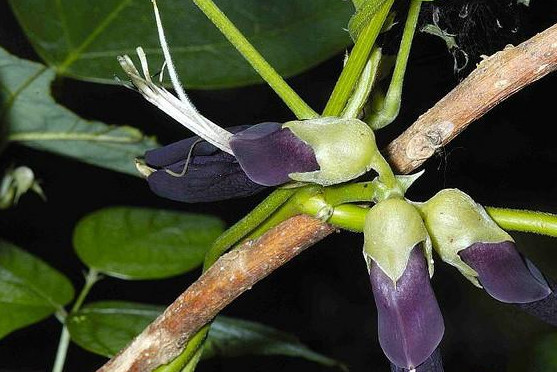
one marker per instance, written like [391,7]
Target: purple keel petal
[410,323]
[208,178]
[544,309]
[432,364]
[504,273]
[268,154]
[177,151]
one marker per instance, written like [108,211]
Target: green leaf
[30,290]
[82,38]
[106,327]
[137,243]
[230,337]
[36,120]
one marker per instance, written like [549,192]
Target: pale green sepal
[407,180]
[382,191]
[455,222]
[392,228]
[344,148]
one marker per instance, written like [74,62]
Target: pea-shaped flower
[398,254]
[466,237]
[325,151]
[193,170]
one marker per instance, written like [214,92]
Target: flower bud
[466,237]
[17,182]
[398,253]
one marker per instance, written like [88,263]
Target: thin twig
[495,79]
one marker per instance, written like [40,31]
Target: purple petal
[504,273]
[433,363]
[177,151]
[544,309]
[268,154]
[208,178]
[410,323]
[211,174]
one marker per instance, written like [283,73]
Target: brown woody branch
[495,79]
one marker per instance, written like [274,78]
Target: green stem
[347,216]
[363,88]
[356,62]
[349,193]
[91,278]
[192,364]
[253,219]
[523,220]
[263,68]
[62,351]
[386,108]
[386,174]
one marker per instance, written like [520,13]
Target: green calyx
[455,222]
[344,148]
[392,228]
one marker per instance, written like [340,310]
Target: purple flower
[410,323]
[465,236]
[201,174]
[504,273]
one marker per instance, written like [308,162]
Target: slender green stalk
[347,216]
[526,221]
[91,278]
[62,350]
[386,175]
[363,88]
[349,193]
[287,211]
[263,68]
[190,367]
[386,108]
[253,219]
[356,62]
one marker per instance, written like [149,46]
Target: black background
[507,158]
